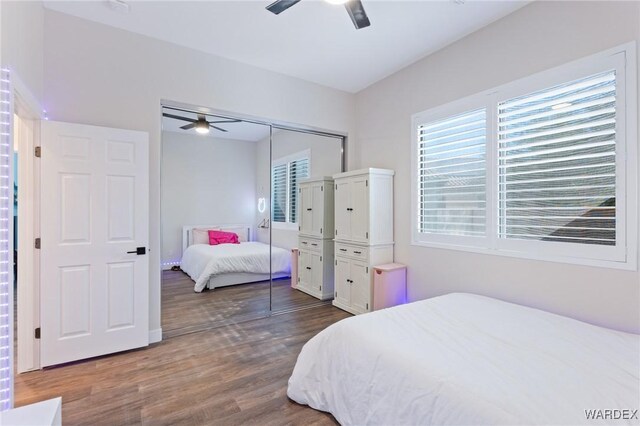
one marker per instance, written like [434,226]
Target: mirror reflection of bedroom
[238,222]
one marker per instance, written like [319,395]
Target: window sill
[629,265]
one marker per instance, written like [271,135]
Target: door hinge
[367,235]
[320,288]
[299,227]
[321,230]
[336,294]
[37,333]
[336,186]
[336,263]
[320,258]
[37,151]
[37,243]
[367,306]
[322,188]
[298,279]
[367,269]
[366,182]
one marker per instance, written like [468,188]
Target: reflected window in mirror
[286,172]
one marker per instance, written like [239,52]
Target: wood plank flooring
[234,374]
[184,311]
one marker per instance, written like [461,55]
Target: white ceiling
[313,40]
[242,130]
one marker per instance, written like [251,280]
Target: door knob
[139,251]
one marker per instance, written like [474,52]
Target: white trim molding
[155,336]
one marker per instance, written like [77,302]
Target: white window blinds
[284,197]
[298,169]
[451,175]
[556,163]
[279,193]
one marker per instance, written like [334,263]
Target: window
[538,168]
[285,175]
[452,172]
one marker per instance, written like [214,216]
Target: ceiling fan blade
[280,6]
[357,14]
[219,128]
[226,121]
[188,126]
[177,117]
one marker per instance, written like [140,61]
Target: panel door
[342,284]
[316,271]
[94,214]
[318,208]
[360,209]
[306,209]
[361,286]
[342,207]
[304,269]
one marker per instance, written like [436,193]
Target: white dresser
[363,234]
[315,234]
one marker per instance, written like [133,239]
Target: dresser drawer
[355,252]
[310,244]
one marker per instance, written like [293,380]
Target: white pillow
[200,236]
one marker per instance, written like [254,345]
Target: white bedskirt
[463,359]
[202,261]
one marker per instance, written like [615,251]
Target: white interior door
[94,216]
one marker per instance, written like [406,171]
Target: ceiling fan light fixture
[202,127]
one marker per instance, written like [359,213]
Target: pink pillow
[221,237]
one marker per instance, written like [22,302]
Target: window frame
[623,255]
[287,160]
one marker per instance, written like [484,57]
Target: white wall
[100,75]
[326,160]
[204,181]
[537,37]
[22,42]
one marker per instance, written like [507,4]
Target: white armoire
[363,234]
[315,234]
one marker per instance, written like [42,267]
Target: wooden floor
[234,374]
[184,311]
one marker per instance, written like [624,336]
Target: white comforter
[201,261]
[463,359]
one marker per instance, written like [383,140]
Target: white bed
[230,264]
[467,360]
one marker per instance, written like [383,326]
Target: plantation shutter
[279,193]
[557,171]
[452,175]
[298,170]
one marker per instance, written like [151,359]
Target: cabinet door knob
[309,268]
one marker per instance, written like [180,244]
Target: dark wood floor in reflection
[184,311]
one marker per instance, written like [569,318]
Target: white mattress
[202,261]
[467,360]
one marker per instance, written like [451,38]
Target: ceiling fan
[201,124]
[354,9]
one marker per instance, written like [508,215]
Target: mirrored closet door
[215,253]
[302,226]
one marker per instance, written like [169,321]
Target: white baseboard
[155,336]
